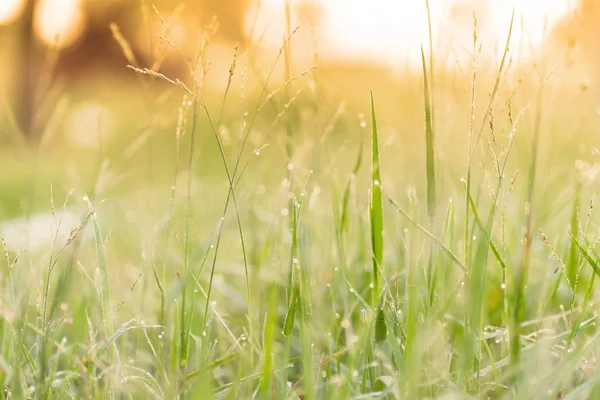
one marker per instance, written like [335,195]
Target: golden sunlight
[388,31]
[59,21]
[394,30]
[10,10]
[391,31]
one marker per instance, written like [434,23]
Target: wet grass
[234,246]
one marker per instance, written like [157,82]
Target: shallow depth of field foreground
[247,206]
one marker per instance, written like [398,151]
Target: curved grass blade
[586,255]
[444,248]
[481,226]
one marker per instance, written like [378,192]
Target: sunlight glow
[388,31]
[10,10]
[392,31]
[61,20]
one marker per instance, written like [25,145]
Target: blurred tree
[95,51]
[26,82]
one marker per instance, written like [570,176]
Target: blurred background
[68,43]
[72,112]
[45,44]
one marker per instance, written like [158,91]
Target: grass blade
[375,207]
[444,248]
[481,226]
[429,144]
[586,255]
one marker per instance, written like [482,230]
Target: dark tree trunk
[25,88]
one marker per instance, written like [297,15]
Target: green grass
[237,251]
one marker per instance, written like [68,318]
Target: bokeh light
[10,10]
[88,125]
[59,21]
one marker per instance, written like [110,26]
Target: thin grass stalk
[104,295]
[467,238]
[162,280]
[519,311]
[183,337]
[484,120]
[477,274]
[477,277]
[231,195]
[236,173]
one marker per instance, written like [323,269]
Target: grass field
[295,235]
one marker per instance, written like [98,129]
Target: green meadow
[275,229]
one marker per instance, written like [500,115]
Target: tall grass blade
[269,337]
[429,142]
[375,207]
